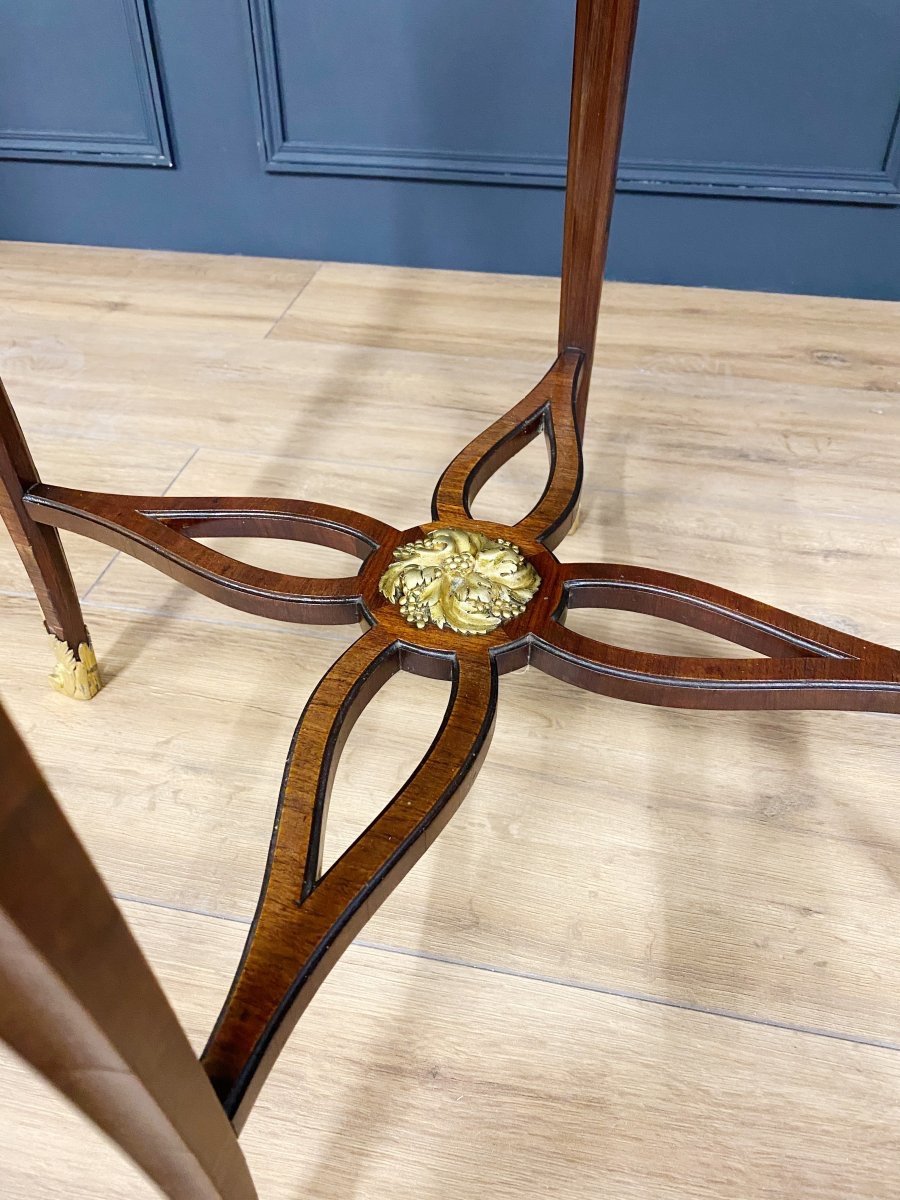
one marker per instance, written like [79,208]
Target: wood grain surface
[661,963]
[79,1002]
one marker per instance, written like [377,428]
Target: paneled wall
[761,145]
[80,83]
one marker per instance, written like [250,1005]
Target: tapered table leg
[41,550]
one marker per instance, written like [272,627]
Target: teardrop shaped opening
[287,556]
[651,635]
[512,492]
[385,746]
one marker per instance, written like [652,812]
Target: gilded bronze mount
[461,579]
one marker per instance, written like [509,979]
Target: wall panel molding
[151,148]
[283,154]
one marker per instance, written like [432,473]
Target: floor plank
[660,330]
[739,862]
[113,466]
[662,963]
[111,289]
[415,1078]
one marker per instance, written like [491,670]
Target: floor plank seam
[59,432]
[319,632]
[86,594]
[448,960]
[118,553]
[292,302]
[325,462]
[188,910]
[637,997]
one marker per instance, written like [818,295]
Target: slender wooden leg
[42,553]
[79,1002]
[604,36]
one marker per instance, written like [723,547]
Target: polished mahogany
[306,917]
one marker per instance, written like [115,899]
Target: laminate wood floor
[656,956]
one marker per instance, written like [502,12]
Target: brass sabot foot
[76,673]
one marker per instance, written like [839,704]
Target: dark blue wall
[761,145]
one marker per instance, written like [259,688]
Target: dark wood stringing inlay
[306,918]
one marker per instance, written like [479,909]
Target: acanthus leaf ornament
[461,579]
[76,673]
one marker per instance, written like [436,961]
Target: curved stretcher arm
[305,920]
[809,665]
